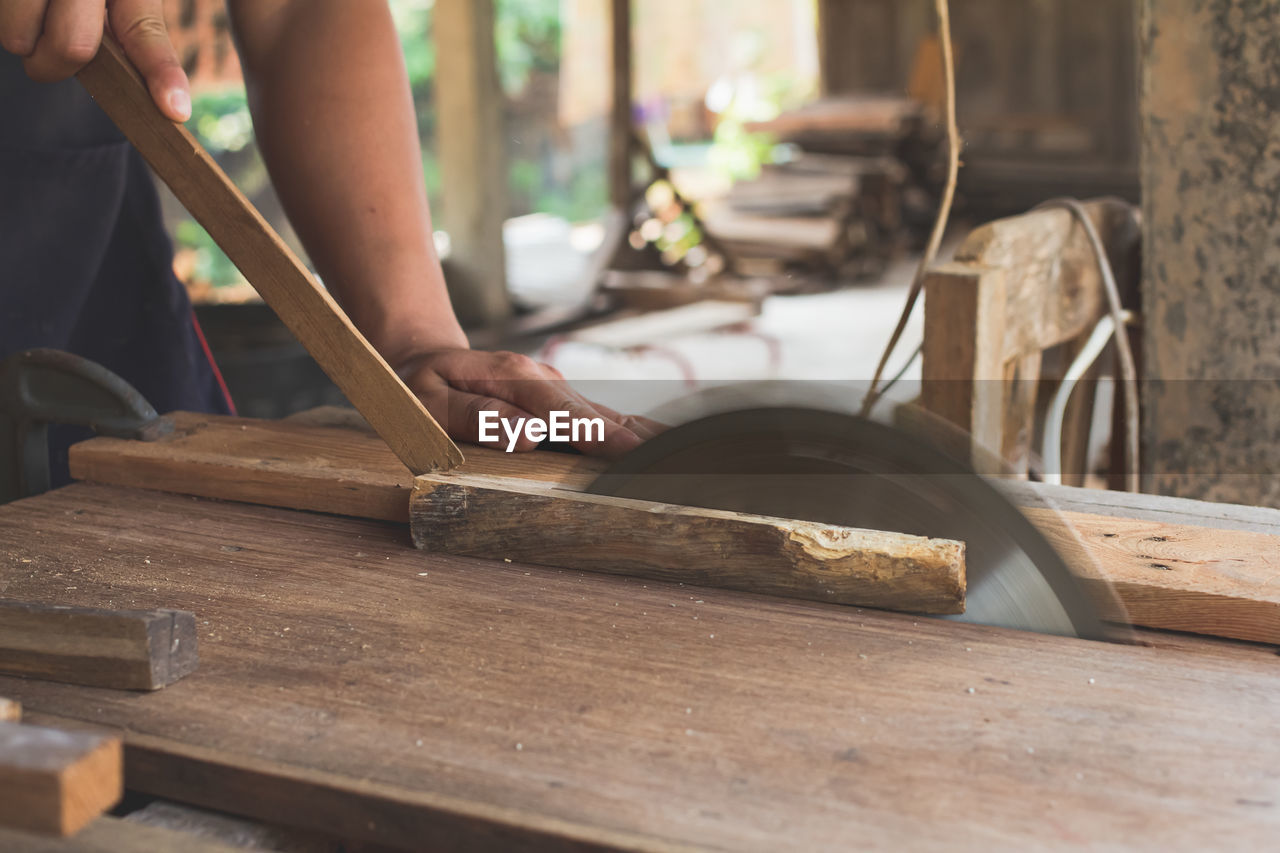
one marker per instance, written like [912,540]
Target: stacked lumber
[850,197]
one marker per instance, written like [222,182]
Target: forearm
[335,122]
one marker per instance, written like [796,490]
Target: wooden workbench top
[351,684]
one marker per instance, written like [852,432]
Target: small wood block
[10,711]
[503,518]
[122,649]
[54,781]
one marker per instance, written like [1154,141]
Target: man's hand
[56,38]
[457,384]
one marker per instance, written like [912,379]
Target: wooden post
[472,159]
[963,357]
[1211,250]
[620,124]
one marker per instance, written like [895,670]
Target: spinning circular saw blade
[837,468]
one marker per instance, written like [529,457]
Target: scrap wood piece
[54,781]
[10,711]
[345,470]
[121,649]
[498,518]
[1225,583]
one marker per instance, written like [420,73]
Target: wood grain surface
[54,781]
[352,685]
[121,649]
[1178,577]
[338,469]
[269,265]
[501,518]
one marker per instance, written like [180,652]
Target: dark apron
[85,264]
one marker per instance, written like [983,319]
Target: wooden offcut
[10,711]
[269,265]
[122,649]
[363,689]
[54,781]
[498,518]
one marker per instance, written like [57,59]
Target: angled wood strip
[269,265]
[498,518]
[1181,578]
[54,781]
[121,649]
[566,710]
[347,471]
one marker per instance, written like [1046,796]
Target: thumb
[139,27]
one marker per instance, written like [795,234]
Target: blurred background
[781,165]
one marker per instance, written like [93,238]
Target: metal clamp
[40,387]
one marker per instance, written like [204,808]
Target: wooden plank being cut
[282,463]
[54,781]
[269,265]
[349,471]
[497,518]
[430,701]
[121,649]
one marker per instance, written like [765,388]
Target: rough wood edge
[498,518]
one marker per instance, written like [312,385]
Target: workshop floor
[837,336]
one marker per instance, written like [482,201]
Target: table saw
[353,685]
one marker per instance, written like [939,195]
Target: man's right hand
[56,38]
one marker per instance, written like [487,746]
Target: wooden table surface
[353,685]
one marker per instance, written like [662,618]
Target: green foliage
[211,265]
[220,120]
[527,39]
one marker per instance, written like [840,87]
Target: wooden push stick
[501,518]
[121,649]
[54,781]
[275,272]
